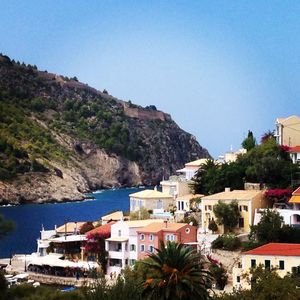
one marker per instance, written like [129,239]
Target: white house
[122,245]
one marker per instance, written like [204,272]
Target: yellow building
[283,257]
[248,201]
[175,186]
[288,131]
[150,199]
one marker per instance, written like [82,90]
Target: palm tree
[175,272]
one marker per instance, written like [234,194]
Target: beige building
[288,131]
[248,201]
[284,257]
[150,199]
[191,168]
[175,186]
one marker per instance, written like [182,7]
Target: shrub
[226,242]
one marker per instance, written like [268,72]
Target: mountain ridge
[61,138]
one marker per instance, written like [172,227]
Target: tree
[269,227]
[213,226]
[227,214]
[87,226]
[267,136]
[265,285]
[219,274]
[141,214]
[175,272]
[96,244]
[249,142]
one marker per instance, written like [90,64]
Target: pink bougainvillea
[212,261]
[96,242]
[278,195]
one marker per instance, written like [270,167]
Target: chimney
[227,189]
[166,224]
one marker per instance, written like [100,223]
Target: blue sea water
[29,218]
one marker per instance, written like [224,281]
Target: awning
[117,239]
[295,199]
[54,261]
[69,238]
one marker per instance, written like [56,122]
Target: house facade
[247,200]
[191,168]
[288,131]
[150,199]
[285,258]
[122,245]
[176,186]
[149,237]
[295,154]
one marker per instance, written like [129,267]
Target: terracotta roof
[289,120]
[101,229]
[189,196]
[69,227]
[296,192]
[280,249]
[116,216]
[197,163]
[295,149]
[150,194]
[233,195]
[142,223]
[156,227]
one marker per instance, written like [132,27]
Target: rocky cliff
[60,138]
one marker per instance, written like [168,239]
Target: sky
[220,68]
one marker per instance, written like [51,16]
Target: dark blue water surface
[30,218]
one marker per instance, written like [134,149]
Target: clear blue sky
[218,67]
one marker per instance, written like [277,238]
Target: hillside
[60,138]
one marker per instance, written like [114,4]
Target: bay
[30,218]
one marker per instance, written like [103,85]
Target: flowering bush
[96,242]
[278,195]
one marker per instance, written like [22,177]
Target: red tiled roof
[296,192]
[280,249]
[101,229]
[294,149]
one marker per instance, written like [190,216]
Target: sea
[30,218]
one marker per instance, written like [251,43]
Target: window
[119,232]
[167,237]
[267,264]
[151,237]
[241,222]
[253,263]
[238,279]
[132,247]
[240,208]
[281,265]
[142,237]
[245,208]
[131,262]
[172,238]
[151,249]
[142,248]
[187,230]
[297,218]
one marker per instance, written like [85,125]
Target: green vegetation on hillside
[267,163]
[46,118]
[23,142]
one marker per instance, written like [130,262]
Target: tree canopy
[266,163]
[249,142]
[227,214]
[175,272]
